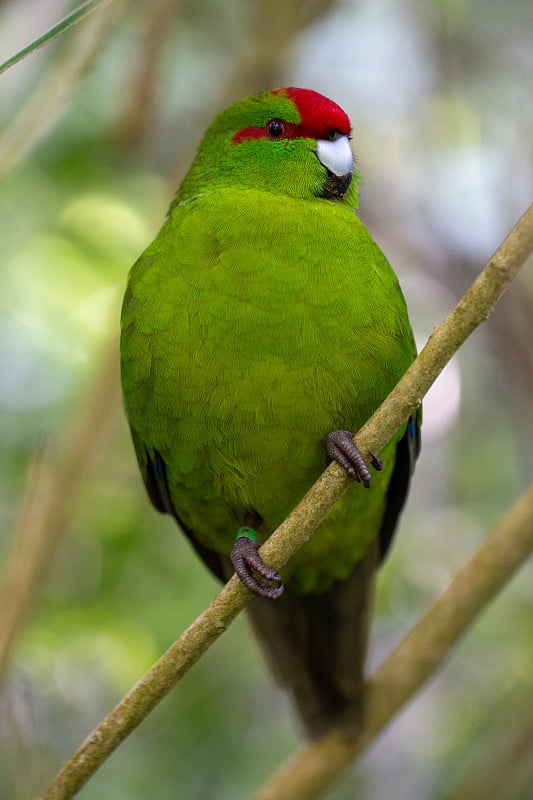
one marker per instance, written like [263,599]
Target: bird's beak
[336,156]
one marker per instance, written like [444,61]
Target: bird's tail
[315,646]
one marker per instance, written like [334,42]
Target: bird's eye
[333,134]
[275,129]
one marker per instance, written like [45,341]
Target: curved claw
[376,461]
[340,448]
[247,561]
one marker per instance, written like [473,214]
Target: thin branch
[46,102]
[475,306]
[75,16]
[51,488]
[417,657]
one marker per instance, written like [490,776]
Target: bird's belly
[246,393]
[254,439]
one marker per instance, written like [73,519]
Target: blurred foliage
[440,97]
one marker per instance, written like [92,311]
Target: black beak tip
[336,185]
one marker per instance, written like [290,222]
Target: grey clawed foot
[340,448]
[252,570]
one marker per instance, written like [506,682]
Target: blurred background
[96,131]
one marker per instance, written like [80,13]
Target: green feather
[240,357]
[261,318]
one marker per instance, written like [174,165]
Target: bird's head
[286,141]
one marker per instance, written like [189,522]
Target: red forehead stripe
[318,116]
[317,113]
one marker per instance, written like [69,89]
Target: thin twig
[75,16]
[417,657]
[475,306]
[49,98]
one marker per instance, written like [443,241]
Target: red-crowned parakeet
[260,329]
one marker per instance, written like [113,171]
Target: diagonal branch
[49,97]
[61,27]
[418,656]
[474,307]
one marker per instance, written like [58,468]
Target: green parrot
[261,328]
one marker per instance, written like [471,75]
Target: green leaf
[63,25]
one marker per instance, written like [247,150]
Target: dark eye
[275,129]
[333,134]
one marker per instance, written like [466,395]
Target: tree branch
[475,306]
[418,656]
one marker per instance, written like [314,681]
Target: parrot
[259,330]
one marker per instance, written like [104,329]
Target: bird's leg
[249,565]
[340,448]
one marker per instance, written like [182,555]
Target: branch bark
[474,307]
[418,656]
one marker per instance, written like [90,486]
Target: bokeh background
[96,131]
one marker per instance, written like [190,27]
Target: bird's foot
[340,448]
[250,567]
